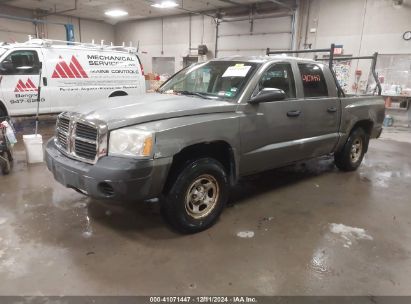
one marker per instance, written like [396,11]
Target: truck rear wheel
[197,197]
[351,155]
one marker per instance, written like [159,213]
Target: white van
[71,75]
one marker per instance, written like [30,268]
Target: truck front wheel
[351,155]
[197,197]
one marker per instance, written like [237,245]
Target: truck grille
[77,139]
[64,124]
[62,139]
[86,131]
[85,149]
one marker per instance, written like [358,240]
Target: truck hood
[123,111]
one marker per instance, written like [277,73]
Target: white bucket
[34,148]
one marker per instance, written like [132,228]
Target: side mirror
[267,95]
[6,66]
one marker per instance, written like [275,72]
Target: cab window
[20,63]
[313,80]
[279,76]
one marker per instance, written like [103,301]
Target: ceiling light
[165,4]
[116,13]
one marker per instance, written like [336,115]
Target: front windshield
[214,79]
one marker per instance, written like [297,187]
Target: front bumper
[111,177]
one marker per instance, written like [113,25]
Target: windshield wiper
[192,93]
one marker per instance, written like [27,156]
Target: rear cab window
[313,80]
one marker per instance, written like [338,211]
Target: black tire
[179,211]
[3,113]
[347,159]
[9,154]
[5,165]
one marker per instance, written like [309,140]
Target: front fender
[175,134]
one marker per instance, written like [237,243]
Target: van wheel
[9,154]
[196,199]
[117,93]
[3,112]
[4,164]
[351,155]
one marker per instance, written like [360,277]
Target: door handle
[45,81]
[332,109]
[294,113]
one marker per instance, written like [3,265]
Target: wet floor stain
[248,234]
[56,241]
[318,262]
[349,234]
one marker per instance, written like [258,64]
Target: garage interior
[306,229]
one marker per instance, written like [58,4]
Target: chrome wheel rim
[202,196]
[356,150]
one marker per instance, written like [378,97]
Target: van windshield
[212,80]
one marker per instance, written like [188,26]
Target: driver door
[19,83]
[271,132]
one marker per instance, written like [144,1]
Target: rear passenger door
[321,109]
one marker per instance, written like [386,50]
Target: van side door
[66,79]
[271,132]
[20,76]
[322,109]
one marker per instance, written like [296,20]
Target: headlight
[131,142]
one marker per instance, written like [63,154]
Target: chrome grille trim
[80,138]
[86,132]
[85,149]
[64,124]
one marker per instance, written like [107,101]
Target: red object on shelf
[388,102]
[338,50]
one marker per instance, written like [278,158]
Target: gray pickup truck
[206,127]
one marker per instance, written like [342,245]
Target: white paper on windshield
[206,76]
[238,70]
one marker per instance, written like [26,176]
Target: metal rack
[331,60]
[92,45]
[373,59]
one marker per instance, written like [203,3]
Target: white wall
[236,37]
[361,26]
[13,30]
[175,37]
[342,22]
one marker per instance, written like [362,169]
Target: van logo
[71,70]
[29,86]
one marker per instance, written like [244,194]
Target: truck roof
[262,59]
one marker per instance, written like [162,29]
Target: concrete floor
[281,235]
